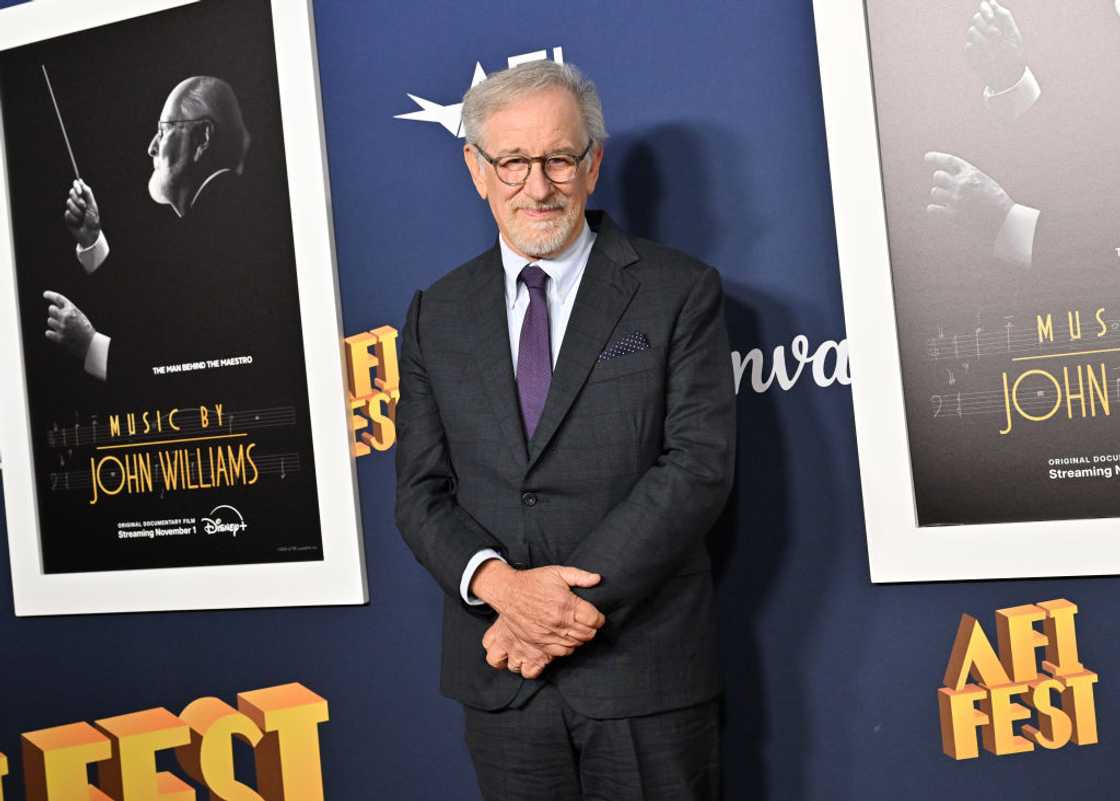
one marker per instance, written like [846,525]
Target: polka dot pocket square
[634,342]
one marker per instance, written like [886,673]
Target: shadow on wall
[688,186]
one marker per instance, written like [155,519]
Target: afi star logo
[451,117]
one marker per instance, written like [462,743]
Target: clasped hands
[539,617]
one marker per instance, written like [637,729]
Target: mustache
[547,205]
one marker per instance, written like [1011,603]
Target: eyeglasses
[514,170]
[163,127]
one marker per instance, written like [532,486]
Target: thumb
[574,577]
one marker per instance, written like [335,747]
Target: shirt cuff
[94,256]
[1015,240]
[485,555]
[97,357]
[1013,103]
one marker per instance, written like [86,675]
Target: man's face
[171,153]
[538,219]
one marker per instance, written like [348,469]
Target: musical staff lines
[1021,342]
[188,422]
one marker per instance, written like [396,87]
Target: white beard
[544,238]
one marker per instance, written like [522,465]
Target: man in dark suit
[566,440]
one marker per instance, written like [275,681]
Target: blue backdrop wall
[717,148]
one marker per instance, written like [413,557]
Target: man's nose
[537,186]
[153,145]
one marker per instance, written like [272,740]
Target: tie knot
[533,276]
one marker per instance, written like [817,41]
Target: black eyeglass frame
[532,160]
[207,120]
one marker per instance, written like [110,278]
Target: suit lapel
[604,293]
[484,317]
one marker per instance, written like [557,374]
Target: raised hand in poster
[67,326]
[968,197]
[994,48]
[82,216]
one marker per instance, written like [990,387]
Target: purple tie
[534,353]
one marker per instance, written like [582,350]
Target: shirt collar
[563,270]
[208,180]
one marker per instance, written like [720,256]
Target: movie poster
[999,130]
[157,294]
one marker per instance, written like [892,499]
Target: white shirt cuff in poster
[97,357]
[1013,103]
[94,256]
[1015,240]
[485,555]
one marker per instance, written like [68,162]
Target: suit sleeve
[647,537]
[440,533]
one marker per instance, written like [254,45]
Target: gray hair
[502,88]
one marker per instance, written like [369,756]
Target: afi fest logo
[451,116]
[128,752]
[1055,706]
[224,523]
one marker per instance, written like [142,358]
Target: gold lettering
[1054,726]
[1074,317]
[1071,395]
[1045,328]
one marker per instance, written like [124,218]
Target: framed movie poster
[174,430]
[974,160]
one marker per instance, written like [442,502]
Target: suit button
[529,499]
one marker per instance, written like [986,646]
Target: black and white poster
[998,136]
[973,157]
[158,298]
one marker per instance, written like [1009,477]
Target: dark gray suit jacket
[630,465]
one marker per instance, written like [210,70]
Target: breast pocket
[625,365]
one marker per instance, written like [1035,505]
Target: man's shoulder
[452,285]
[660,267]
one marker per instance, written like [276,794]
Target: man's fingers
[497,659]
[531,670]
[983,26]
[574,577]
[986,11]
[946,161]
[54,311]
[976,38]
[940,197]
[55,298]
[1001,12]
[559,650]
[940,212]
[53,324]
[54,337]
[74,209]
[942,179]
[588,615]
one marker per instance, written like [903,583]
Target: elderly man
[560,489]
[198,150]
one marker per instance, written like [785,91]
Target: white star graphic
[450,117]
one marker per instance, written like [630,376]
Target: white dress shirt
[564,274]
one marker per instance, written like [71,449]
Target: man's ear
[203,141]
[593,169]
[471,157]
